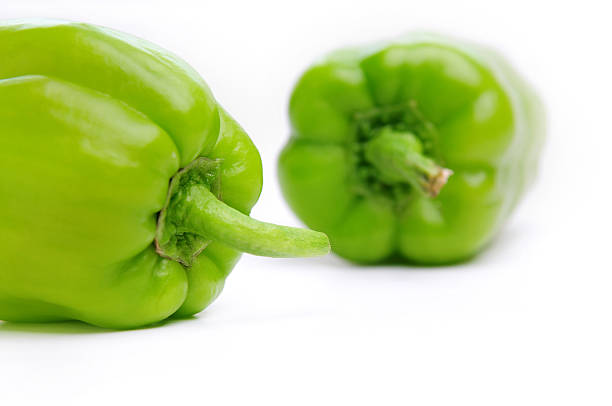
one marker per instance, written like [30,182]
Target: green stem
[398,157]
[194,216]
[210,217]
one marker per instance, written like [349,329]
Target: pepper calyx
[171,240]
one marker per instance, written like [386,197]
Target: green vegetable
[415,150]
[98,222]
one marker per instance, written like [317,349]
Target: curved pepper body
[464,106]
[93,126]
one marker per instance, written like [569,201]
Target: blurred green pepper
[98,222]
[377,133]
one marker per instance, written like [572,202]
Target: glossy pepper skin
[94,127]
[416,150]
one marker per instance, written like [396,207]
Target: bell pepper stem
[210,217]
[398,157]
[194,216]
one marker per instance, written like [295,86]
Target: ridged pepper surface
[415,150]
[124,187]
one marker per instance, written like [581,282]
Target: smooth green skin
[93,126]
[489,130]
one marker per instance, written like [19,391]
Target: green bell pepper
[416,150]
[125,188]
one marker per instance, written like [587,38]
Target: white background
[525,323]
